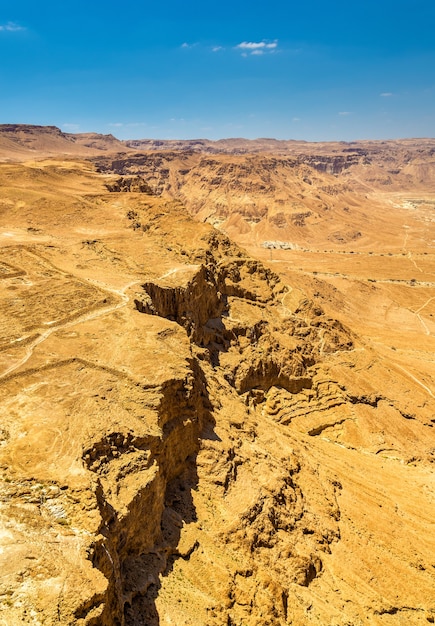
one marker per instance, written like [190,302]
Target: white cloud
[253,45]
[296,119]
[217,48]
[116,124]
[386,94]
[257,47]
[11,27]
[344,113]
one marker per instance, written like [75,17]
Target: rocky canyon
[217,381]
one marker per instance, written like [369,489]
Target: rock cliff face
[216,305]
[186,437]
[301,193]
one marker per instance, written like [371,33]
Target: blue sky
[186,69]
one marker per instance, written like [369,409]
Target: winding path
[414,379]
[84,318]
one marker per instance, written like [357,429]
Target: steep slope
[19,142]
[187,438]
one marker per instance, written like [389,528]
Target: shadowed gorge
[216,382]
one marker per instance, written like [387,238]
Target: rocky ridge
[294,197]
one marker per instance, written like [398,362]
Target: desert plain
[217,381]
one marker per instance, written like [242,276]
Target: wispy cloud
[246,48]
[257,48]
[11,27]
[386,94]
[255,45]
[344,113]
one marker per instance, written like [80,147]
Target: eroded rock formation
[186,436]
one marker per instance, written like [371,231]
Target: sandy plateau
[217,382]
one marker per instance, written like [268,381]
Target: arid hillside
[22,141]
[225,423]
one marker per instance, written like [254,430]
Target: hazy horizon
[229,138]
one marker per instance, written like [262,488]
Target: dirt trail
[409,255]
[174,270]
[417,313]
[389,281]
[423,323]
[416,380]
[84,318]
[424,305]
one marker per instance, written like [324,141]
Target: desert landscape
[217,380]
